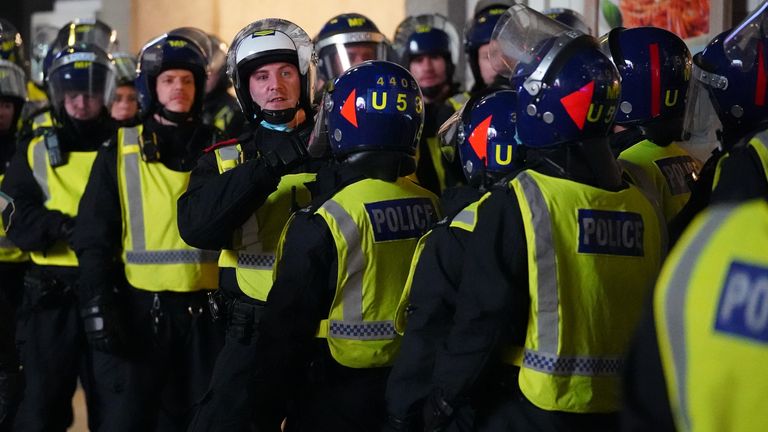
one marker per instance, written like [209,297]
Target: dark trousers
[166,366]
[505,408]
[53,351]
[11,288]
[336,398]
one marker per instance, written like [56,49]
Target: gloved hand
[398,424]
[437,412]
[288,154]
[10,392]
[67,230]
[102,324]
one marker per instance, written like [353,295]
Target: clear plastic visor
[700,124]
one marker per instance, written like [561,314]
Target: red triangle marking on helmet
[479,138]
[761,81]
[348,109]
[577,103]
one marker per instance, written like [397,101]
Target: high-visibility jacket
[593,256]
[155,256]
[256,241]
[711,316]
[375,226]
[759,144]
[661,171]
[62,186]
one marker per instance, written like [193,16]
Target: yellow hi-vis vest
[62,187]
[223,118]
[711,316]
[35,94]
[8,251]
[593,256]
[458,100]
[155,256]
[662,171]
[375,226]
[256,241]
[760,144]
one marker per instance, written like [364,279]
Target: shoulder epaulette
[228,142]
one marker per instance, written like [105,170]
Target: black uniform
[168,341]
[11,273]
[492,313]
[431,306]
[53,348]
[434,116]
[213,208]
[221,110]
[742,177]
[326,396]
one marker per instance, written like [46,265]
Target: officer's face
[125,105]
[176,90]
[486,67]
[276,86]
[6,115]
[356,54]
[81,105]
[429,70]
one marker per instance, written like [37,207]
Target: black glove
[288,154]
[10,392]
[437,412]
[67,230]
[398,424]
[102,324]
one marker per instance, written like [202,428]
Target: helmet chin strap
[173,116]
[278,117]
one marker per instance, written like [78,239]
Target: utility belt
[162,303]
[45,290]
[240,312]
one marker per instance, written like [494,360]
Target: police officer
[13,261]
[240,197]
[483,135]
[146,311]
[477,38]
[428,46]
[731,118]
[12,50]
[655,68]
[47,177]
[220,108]
[566,239]
[347,40]
[328,328]
[125,107]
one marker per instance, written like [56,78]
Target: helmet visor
[12,81]
[424,23]
[81,78]
[700,124]
[342,51]
[519,36]
[742,43]
[87,32]
[318,143]
[451,134]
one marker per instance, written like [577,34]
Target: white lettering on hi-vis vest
[676,170]
[743,308]
[610,232]
[400,219]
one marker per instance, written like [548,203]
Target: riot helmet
[569,17]
[266,41]
[80,80]
[477,34]
[11,45]
[13,89]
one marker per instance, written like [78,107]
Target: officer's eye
[286,73]
[261,77]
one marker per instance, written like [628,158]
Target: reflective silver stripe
[369,330]
[40,168]
[171,257]
[133,186]
[40,120]
[676,293]
[256,261]
[352,297]
[546,268]
[572,365]
[465,216]
[229,153]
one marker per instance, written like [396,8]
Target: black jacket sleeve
[742,177]
[430,314]
[215,205]
[98,233]
[300,298]
[646,402]
[492,300]
[34,227]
